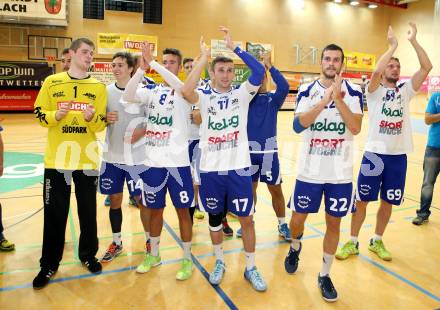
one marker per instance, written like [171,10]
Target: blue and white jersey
[194,129]
[167,126]
[389,122]
[262,116]
[223,132]
[327,151]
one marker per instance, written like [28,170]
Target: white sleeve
[131,91]
[169,77]
[354,98]
[303,99]
[408,90]
[246,92]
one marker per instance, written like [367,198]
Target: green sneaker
[149,261]
[379,248]
[348,249]
[185,271]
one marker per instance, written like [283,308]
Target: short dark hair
[65,51]
[187,59]
[173,51]
[127,56]
[220,59]
[333,47]
[396,59]
[77,43]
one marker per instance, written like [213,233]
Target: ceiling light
[354,2]
[372,6]
[337,1]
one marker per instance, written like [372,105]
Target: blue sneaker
[238,233]
[328,291]
[284,231]
[291,260]
[254,277]
[107,201]
[216,275]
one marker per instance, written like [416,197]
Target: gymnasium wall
[267,21]
[422,14]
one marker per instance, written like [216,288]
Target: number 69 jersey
[71,142]
[223,132]
[327,151]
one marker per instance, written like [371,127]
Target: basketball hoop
[50,58]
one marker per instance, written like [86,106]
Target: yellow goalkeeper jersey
[71,142]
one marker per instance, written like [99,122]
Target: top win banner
[111,43]
[40,12]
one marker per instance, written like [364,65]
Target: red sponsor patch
[53,6]
[75,105]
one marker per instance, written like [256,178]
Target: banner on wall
[218,48]
[111,43]
[257,49]
[20,74]
[43,12]
[17,99]
[360,61]
[434,84]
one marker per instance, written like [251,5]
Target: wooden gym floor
[410,281]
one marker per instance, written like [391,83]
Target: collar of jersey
[74,78]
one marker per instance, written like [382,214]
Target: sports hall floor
[410,281]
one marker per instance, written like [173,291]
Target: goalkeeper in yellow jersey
[72,105]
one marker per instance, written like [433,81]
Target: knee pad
[215,222]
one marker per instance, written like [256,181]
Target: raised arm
[188,89]
[168,76]
[383,61]
[257,69]
[425,64]
[281,83]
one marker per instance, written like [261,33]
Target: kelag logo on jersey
[161,120]
[390,112]
[224,123]
[331,126]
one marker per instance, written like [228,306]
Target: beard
[391,80]
[328,76]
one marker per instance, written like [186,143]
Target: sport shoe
[254,277]
[379,248]
[6,246]
[93,265]
[112,251]
[419,220]
[328,291]
[149,261]
[107,201]
[148,246]
[227,231]
[284,231]
[199,214]
[291,260]
[348,249]
[216,276]
[132,202]
[185,271]
[42,278]
[238,233]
